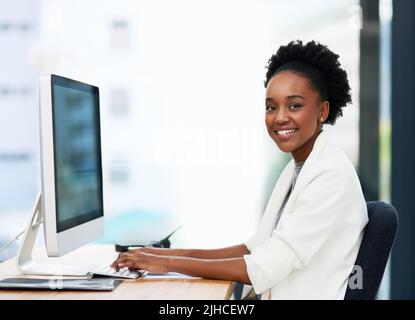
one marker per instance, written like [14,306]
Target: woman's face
[294,113]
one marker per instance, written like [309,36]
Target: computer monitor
[71,164]
[71,201]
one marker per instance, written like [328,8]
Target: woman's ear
[324,113]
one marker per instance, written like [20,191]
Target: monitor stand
[24,262]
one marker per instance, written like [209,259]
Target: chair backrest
[374,251]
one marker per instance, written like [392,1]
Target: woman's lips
[285,134]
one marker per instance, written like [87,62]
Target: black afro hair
[321,66]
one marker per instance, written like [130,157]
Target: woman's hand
[140,259]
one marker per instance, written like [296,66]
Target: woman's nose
[281,116]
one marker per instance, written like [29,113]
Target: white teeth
[286,132]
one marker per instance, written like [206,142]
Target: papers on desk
[169,275]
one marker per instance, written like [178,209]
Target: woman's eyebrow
[295,96]
[288,97]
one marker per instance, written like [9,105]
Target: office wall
[19,165]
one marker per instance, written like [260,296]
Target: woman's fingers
[121,259]
[130,264]
[130,259]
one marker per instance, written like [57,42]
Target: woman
[309,236]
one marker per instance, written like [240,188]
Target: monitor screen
[77,152]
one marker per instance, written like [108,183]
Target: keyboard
[121,273]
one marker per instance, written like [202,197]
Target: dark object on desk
[100,284]
[374,251]
[163,243]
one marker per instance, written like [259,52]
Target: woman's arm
[233,269]
[222,253]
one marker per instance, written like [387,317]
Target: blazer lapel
[284,183]
[307,171]
[277,198]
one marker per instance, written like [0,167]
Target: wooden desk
[139,289]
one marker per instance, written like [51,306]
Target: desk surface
[138,289]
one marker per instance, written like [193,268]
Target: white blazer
[312,250]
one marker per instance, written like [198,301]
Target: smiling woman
[307,241]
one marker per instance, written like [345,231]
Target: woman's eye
[295,106]
[269,108]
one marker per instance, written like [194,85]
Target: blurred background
[182,109]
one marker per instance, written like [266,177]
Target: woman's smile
[285,134]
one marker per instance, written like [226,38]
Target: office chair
[375,249]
